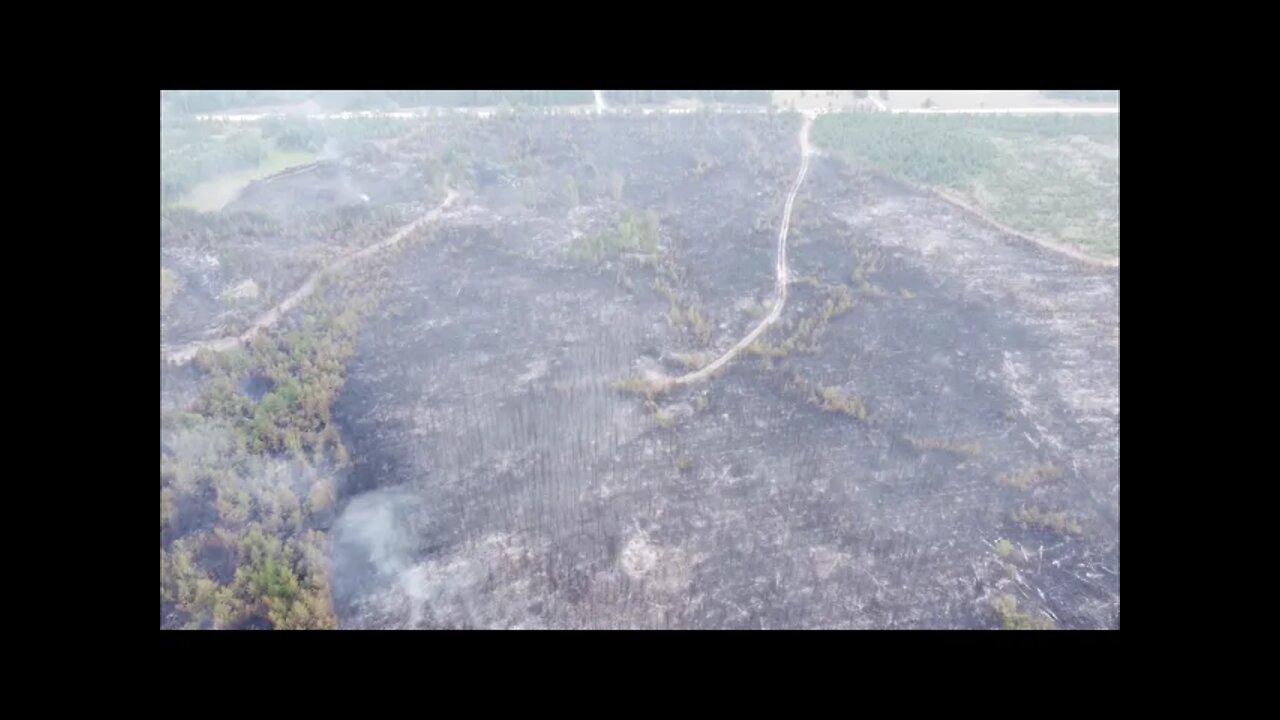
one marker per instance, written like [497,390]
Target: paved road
[1009,111]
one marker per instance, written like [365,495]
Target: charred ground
[853,471]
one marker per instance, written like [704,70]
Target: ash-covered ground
[503,480]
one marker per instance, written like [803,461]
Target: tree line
[1084,95]
[945,150]
[210,101]
[662,97]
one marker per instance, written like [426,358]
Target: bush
[1004,548]
[268,584]
[833,400]
[634,233]
[1024,479]
[956,448]
[649,389]
[1006,607]
[1058,522]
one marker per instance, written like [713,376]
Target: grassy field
[1053,176]
[213,194]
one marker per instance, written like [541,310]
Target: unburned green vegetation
[1037,518]
[647,388]
[203,164]
[1057,176]
[867,264]
[1006,608]
[248,485]
[635,232]
[217,192]
[1004,548]
[963,449]
[925,150]
[193,152]
[834,400]
[807,331]
[686,314]
[1025,479]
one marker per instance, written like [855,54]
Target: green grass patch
[214,194]
[1054,176]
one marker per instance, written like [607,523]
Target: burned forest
[590,366]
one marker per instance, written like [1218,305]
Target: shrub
[1004,548]
[1024,479]
[833,400]
[1058,522]
[926,444]
[1006,607]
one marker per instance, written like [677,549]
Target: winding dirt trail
[183,354]
[781,272]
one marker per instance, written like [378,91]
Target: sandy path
[781,270]
[185,353]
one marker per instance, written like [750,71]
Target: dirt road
[186,353]
[781,278]
[1009,111]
